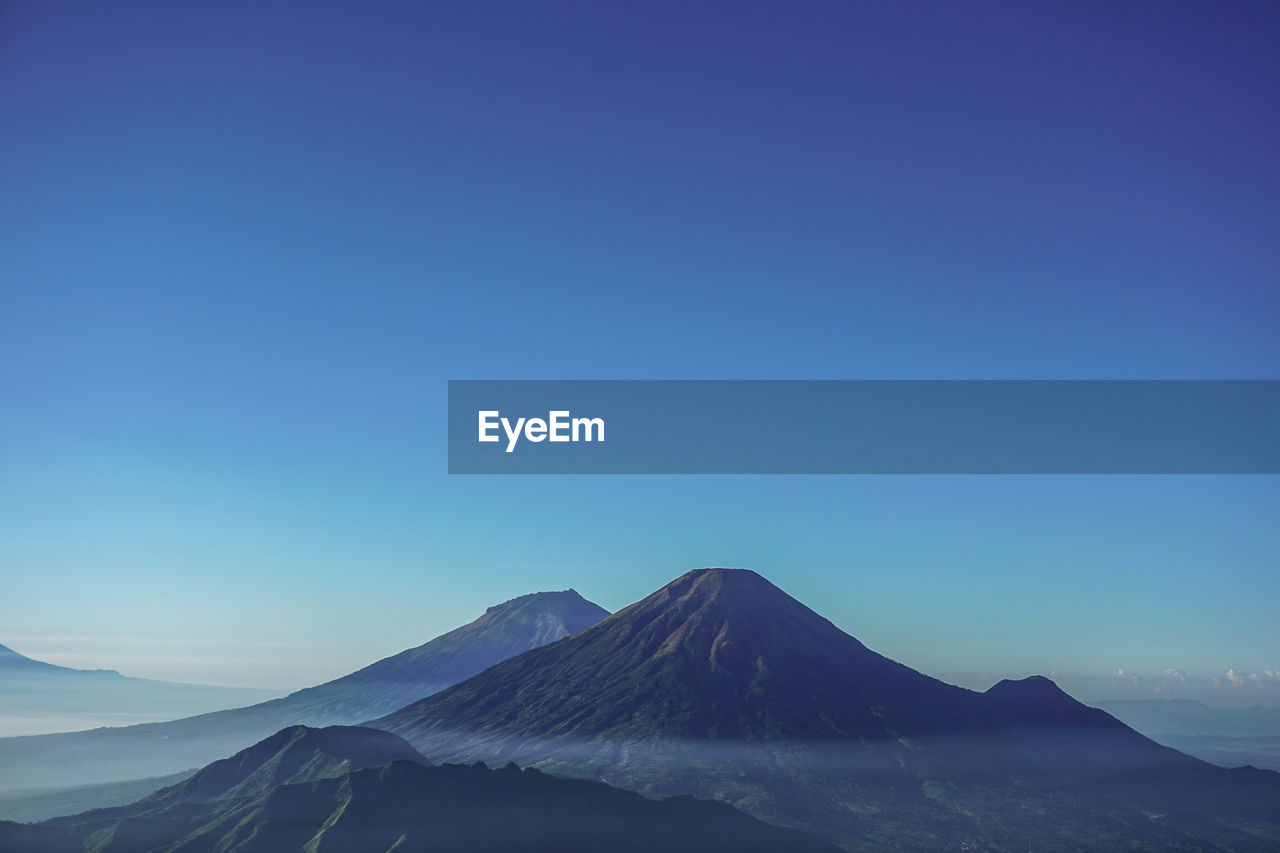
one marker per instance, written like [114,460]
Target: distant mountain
[354,790]
[11,661]
[1229,737]
[38,697]
[721,685]
[724,655]
[134,752]
[505,630]
[1187,716]
[44,804]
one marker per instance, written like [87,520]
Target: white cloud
[1126,676]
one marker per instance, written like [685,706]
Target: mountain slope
[721,685]
[710,641]
[38,697]
[723,654]
[359,790]
[115,754]
[11,661]
[295,754]
[503,631]
[1228,737]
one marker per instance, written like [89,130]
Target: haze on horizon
[257,665]
[247,250]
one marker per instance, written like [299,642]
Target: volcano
[721,685]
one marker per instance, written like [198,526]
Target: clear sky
[244,245]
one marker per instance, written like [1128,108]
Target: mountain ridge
[736,629]
[721,685]
[288,792]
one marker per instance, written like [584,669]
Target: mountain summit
[503,631]
[723,654]
[721,685]
[716,653]
[293,755]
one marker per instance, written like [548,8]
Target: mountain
[11,661]
[133,752]
[505,630]
[1229,737]
[723,655]
[356,789]
[721,685]
[37,697]
[292,755]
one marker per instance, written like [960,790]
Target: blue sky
[245,246]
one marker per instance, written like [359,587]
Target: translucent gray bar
[867,427]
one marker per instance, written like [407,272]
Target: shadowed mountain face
[114,754]
[295,754]
[723,654]
[723,686]
[344,789]
[719,654]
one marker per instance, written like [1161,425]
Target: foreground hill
[721,685]
[359,790]
[38,697]
[134,752]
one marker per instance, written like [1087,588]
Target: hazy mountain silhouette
[356,789]
[133,752]
[42,804]
[505,630]
[11,661]
[721,685]
[1229,737]
[37,697]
